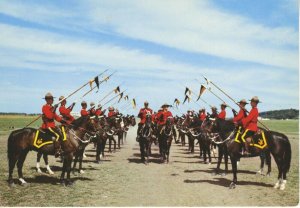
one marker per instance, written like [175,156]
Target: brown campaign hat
[243,101]
[165,105]
[83,103]
[214,108]
[61,98]
[48,95]
[92,104]
[224,104]
[255,99]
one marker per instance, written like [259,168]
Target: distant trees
[281,114]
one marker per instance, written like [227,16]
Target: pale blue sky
[247,47]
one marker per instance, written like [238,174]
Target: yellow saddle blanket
[258,140]
[42,138]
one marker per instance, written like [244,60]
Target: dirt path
[121,180]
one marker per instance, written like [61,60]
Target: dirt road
[122,180]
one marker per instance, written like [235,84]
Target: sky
[157,48]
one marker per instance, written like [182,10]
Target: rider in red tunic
[66,112]
[142,115]
[222,114]
[99,112]
[49,117]
[250,124]
[202,114]
[242,113]
[214,113]
[162,119]
[83,111]
[92,110]
[111,112]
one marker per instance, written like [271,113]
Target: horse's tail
[10,146]
[287,155]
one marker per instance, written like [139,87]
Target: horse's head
[209,125]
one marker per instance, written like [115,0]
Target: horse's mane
[79,121]
[225,125]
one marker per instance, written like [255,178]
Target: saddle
[258,139]
[44,138]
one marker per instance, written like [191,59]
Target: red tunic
[222,115]
[250,122]
[66,113]
[98,112]
[165,114]
[84,112]
[239,116]
[49,117]
[111,113]
[142,114]
[202,116]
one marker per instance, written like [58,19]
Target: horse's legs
[12,162]
[142,149]
[68,168]
[119,141]
[109,143]
[20,166]
[75,162]
[45,157]
[168,151]
[280,171]
[225,158]
[98,151]
[208,152]
[38,159]
[234,171]
[63,172]
[268,161]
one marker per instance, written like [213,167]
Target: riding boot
[57,149]
[246,152]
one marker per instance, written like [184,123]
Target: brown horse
[21,141]
[165,137]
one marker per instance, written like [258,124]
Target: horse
[21,141]
[270,141]
[101,137]
[165,137]
[145,141]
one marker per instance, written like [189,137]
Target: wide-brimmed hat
[92,104]
[61,98]
[146,102]
[99,106]
[214,108]
[165,105]
[255,99]
[83,103]
[224,104]
[243,101]
[48,95]
[111,108]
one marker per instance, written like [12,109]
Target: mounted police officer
[83,111]
[162,118]
[64,111]
[222,114]
[92,110]
[49,117]
[202,114]
[250,124]
[142,115]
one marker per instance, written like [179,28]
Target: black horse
[21,141]
[145,139]
[274,142]
[165,137]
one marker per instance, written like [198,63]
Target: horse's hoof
[81,171]
[39,170]
[282,185]
[268,174]
[223,174]
[214,173]
[69,183]
[232,185]
[50,172]
[11,184]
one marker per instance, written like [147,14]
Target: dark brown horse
[21,141]
[145,139]
[165,137]
[274,142]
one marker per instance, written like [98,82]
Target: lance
[105,79]
[209,81]
[200,98]
[67,97]
[109,93]
[112,98]
[218,97]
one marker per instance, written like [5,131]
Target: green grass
[283,126]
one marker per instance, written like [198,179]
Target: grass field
[121,180]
